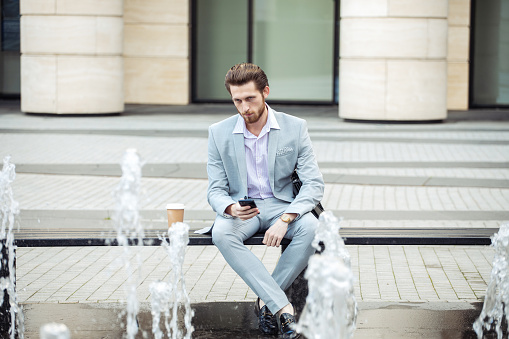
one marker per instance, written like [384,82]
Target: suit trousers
[228,234]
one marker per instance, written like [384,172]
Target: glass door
[220,41]
[10,85]
[292,40]
[490,56]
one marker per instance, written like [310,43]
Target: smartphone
[247,202]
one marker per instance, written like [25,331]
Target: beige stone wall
[458,54]
[156,51]
[393,59]
[71,60]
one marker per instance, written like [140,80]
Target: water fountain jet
[160,296]
[331,308]
[54,331]
[496,302]
[130,230]
[170,296]
[12,314]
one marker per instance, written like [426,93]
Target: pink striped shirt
[257,149]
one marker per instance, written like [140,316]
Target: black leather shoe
[285,321]
[267,322]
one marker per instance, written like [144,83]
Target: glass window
[292,40]
[490,73]
[10,25]
[9,55]
[220,42]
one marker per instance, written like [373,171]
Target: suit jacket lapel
[238,140]
[273,142]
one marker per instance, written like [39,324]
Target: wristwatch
[286,218]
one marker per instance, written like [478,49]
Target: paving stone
[475,152]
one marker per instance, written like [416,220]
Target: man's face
[249,101]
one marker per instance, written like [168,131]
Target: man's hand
[242,212]
[275,234]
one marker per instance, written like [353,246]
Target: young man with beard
[253,154]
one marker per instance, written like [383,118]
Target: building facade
[397,60]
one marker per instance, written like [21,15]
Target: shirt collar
[240,127]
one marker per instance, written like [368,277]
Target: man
[253,154]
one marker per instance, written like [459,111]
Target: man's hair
[241,74]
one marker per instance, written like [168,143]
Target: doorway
[293,41]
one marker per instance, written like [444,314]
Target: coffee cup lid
[175,206]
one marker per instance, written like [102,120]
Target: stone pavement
[445,175]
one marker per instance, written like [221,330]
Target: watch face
[286,219]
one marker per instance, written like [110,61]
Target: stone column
[458,54]
[156,52]
[393,60]
[71,60]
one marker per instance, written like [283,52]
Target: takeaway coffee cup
[175,213]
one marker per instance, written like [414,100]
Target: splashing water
[169,296]
[55,331]
[327,233]
[496,304]
[8,209]
[160,295]
[129,229]
[331,308]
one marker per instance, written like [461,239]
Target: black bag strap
[297,184]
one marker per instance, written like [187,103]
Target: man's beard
[254,118]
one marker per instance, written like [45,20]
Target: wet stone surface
[237,320]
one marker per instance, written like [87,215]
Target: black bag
[297,184]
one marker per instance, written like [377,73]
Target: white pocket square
[283,151]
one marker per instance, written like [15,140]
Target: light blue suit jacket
[289,148]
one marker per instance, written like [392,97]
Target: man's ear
[266,92]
